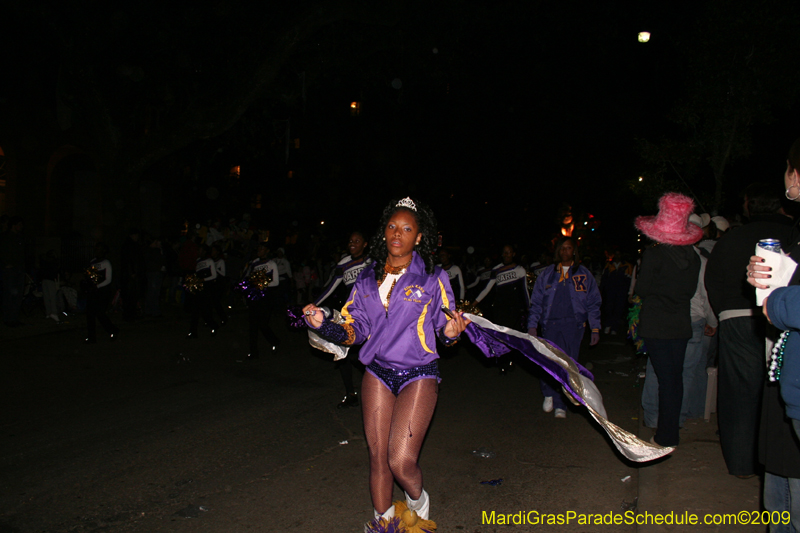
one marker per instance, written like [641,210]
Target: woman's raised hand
[313,315]
[456,325]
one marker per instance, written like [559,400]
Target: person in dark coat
[666,284]
[742,330]
[779,446]
[614,285]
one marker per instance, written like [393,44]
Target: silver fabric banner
[583,390]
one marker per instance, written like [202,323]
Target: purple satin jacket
[405,336]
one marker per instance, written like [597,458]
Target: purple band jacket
[405,336]
[584,295]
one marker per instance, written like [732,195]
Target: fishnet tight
[395,428]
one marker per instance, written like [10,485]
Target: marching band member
[565,296]
[342,280]
[395,310]
[454,273]
[259,310]
[510,298]
[207,271]
[99,295]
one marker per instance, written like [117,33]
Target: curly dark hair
[426,222]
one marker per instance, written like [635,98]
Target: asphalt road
[156,433]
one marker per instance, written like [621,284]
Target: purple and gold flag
[578,383]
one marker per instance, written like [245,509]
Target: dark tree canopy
[500,110]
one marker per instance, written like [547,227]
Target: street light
[644,36]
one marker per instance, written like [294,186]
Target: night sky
[496,115]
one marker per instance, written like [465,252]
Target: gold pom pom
[409,517]
[410,522]
[193,283]
[93,274]
[465,306]
[531,278]
[260,279]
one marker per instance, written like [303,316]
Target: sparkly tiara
[408,203]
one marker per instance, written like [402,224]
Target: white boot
[388,515]
[421,506]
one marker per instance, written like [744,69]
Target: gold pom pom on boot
[412,520]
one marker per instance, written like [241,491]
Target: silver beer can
[773,245]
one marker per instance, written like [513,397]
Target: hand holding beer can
[770,250]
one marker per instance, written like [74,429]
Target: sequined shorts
[396,379]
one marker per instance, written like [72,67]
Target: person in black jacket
[778,444]
[666,283]
[742,330]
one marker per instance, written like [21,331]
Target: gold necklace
[388,269]
[389,295]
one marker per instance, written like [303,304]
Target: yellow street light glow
[644,36]
[322,223]
[640,178]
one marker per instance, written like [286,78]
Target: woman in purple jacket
[395,310]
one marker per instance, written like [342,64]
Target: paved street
[156,433]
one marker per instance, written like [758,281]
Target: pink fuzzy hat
[671,224]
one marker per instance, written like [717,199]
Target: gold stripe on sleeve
[420,330]
[445,301]
[348,318]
